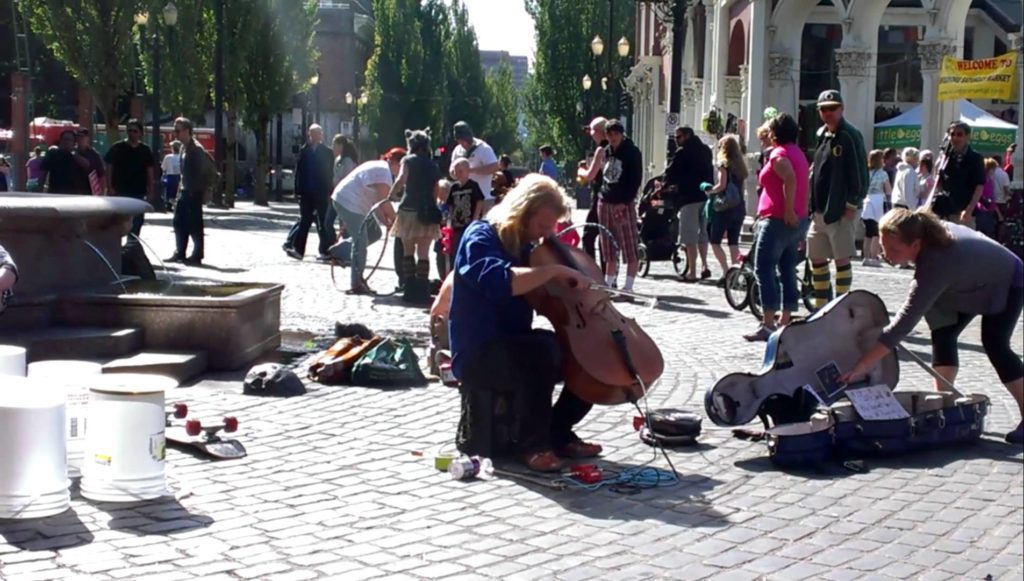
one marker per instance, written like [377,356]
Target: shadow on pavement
[61,531]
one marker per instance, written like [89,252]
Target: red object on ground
[230,423]
[180,410]
[193,427]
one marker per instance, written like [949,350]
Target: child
[464,202]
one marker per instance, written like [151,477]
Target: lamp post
[218,103]
[354,102]
[315,82]
[609,78]
[170,19]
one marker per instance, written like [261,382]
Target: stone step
[181,365]
[76,342]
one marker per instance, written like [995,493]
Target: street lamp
[170,14]
[354,102]
[623,47]
[587,82]
[597,46]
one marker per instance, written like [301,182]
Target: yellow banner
[992,78]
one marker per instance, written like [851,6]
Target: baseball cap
[462,130]
[769,113]
[830,98]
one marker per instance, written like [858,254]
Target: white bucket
[71,378]
[12,361]
[125,446]
[33,469]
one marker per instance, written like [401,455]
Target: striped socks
[820,279]
[844,279]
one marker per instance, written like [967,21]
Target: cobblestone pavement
[332,489]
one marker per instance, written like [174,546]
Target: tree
[186,56]
[502,106]
[556,107]
[436,32]
[93,38]
[466,99]
[276,66]
[239,16]
[394,71]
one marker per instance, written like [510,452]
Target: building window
[817,59]
[898,70]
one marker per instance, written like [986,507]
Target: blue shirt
[549,168]
[483,308]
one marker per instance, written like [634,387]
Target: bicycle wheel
[754,298]
[736,287]
[643,262]
[679,261]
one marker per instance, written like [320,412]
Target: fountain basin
[50,236]
[233,323]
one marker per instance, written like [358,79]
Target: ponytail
[913,225]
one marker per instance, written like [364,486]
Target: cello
[606,357]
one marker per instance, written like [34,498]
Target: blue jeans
[775,260]
[360,240]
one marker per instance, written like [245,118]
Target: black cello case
[802,359]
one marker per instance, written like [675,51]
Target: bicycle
[742,290]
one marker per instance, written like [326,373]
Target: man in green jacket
[839,182]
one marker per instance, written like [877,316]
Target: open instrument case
[814,420]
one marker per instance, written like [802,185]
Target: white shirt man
[482,160]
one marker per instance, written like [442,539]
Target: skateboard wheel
[180,410]
[230,423]
[193,427]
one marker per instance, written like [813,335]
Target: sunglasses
[957,134]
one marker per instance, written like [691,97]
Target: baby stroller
[659,230]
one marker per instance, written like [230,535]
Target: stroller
[659,229]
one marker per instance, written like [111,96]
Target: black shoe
[293,253]
[193,261]
[705,274]
[176,258]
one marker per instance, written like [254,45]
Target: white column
[855,68]
[731,97]
[784,83]
[744,91]
[720,54]
[709,55]
[757,63]
[931,53]
[690,50]
[698,86]
[1017,44]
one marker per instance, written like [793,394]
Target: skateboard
[204,438]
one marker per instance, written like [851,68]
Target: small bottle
[466,468]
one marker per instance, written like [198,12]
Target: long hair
[531,194]
[731,156]
[913,225]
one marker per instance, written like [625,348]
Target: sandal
[542,461]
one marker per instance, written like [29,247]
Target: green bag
[392,363]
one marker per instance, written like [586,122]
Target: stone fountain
[72,302]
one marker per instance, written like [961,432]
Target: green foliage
[556,107]
[186,56]
[503,111]
[93,38]
[394,72]
[466,96]
[277,65]
[428,107]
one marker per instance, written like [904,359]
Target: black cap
[830,98]
[462,130]
[615,126]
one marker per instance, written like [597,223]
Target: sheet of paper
[876,402]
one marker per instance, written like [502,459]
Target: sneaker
[762,334]
[1016,437]
[293,253]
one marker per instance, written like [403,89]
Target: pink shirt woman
[772,203]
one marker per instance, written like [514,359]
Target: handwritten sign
[876,402]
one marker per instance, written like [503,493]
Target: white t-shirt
[171,165]
[356,192]
[1001,181]
[482,155]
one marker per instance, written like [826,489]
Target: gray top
[6,260]
[973,275]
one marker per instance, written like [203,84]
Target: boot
[417,290]
[407,272]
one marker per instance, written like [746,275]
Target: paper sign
[828,378]
[876,402]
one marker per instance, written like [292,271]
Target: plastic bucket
[125,446]
[72,379]
[33,478]
[12,361]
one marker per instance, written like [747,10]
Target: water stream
[170,277]
[117,276]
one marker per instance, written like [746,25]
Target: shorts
[870,228]
[834,241]
[621,220]
[727,225]
[693,226]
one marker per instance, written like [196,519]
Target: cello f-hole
[579,317]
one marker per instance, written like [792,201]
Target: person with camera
[961,178]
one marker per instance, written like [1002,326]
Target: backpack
[334,365]
[389,363]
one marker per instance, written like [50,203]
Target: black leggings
[531,365]
[996,334]
[870,228]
